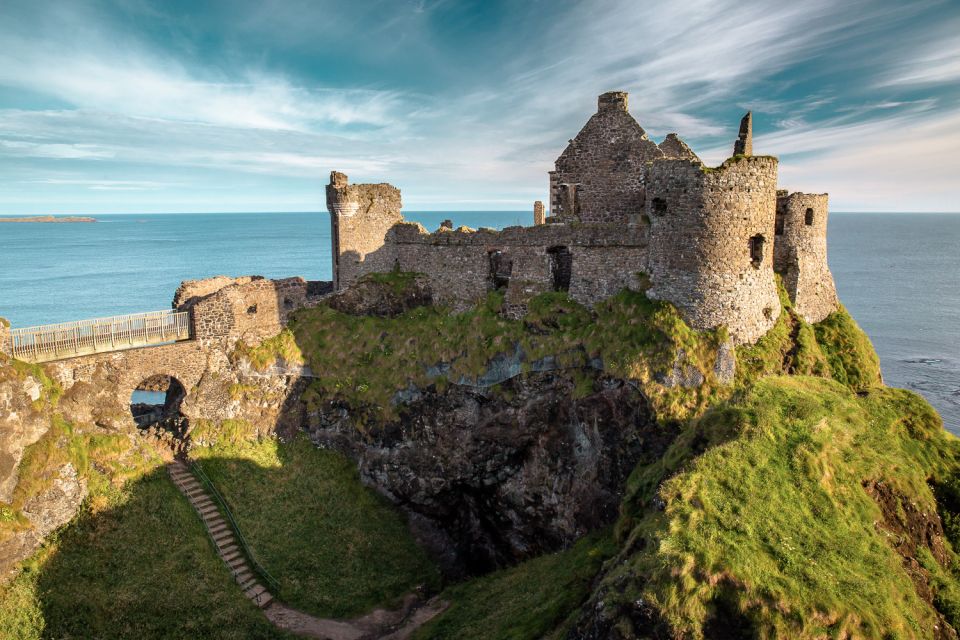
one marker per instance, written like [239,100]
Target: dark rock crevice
[494,476]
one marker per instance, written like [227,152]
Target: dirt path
[380,624]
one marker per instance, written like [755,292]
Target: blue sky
[139,106]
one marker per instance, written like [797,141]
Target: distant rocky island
[49,219]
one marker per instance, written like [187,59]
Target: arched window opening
[501,266]
[155,405]
[756,250]
[658,206]
[561,267]
[808,217]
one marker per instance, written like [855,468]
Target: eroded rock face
[46,512]
[372,298]
[21,424]
[493,476]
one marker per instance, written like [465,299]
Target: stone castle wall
[599,176]
[464,265]
[360,217]
[711,242]
[5,343]
[800,254]
[250,308]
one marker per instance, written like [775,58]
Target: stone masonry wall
[360,217]
[703,223]
[603,259]
[250,308]
[800,254]
[5,343]
[603,166]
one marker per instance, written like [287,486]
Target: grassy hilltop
[803,500]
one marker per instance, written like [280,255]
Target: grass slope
[336,547]
[136,563]
[526,601]
[771,526]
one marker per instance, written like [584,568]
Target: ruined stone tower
[711,242]
[360,218]
[800,253]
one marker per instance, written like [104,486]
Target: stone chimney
[539,216]
[744,144]
[612,100]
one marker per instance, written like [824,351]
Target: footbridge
[47,343]
[100,362]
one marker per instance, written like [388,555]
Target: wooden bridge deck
[101,335]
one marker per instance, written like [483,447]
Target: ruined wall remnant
[360,217]
[539,215]
[744,144]
[673,147]
[250,308]
[711,248]
[800,254]
[5,344]
[599,176]
[464,265]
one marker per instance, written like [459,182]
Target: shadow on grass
[336,548]
[137,561]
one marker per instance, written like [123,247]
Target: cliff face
[493,476]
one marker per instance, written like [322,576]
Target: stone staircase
[220,532]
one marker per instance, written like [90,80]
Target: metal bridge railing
[100,335]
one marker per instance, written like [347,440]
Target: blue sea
[898,274]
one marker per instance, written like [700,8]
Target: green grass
[771,521]
[136,563]
[366,360]
[848,350]
[336,547]
[524,602]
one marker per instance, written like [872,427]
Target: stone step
[231,556]
[204,503]
[263,600]
[218,530]
[238,563]
[207,509]
[247,583]
[229,551]
[222,536]
[254,591]
[245,578]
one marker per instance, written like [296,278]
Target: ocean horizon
[906,299]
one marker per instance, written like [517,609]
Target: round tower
[800,254]
[711,242]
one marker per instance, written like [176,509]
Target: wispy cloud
[454,106]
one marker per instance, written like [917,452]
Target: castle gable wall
[599,176]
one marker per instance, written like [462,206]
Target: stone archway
[155,405]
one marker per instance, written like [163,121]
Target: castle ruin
[624,212]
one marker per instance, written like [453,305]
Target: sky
[247,105]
